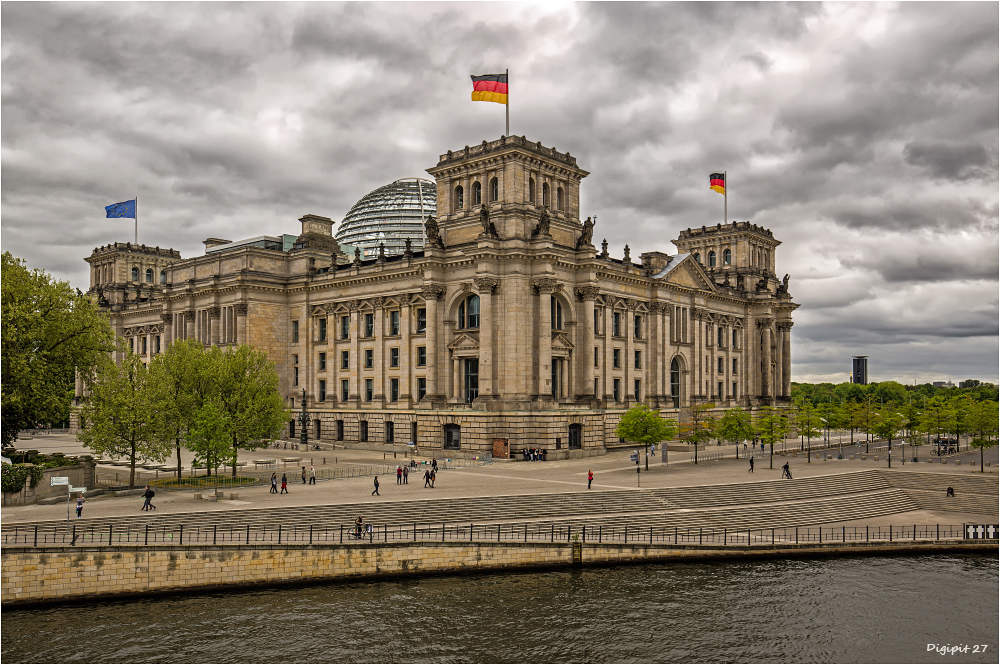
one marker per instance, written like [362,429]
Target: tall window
[345,360]
[369,358]
[675,383]
[545,194]
[734,368]
[616,324]
[734,390]
[468,312]
[638,359]
[394,322]
[295,332]
[345,327]
[421,387]
[575,437]
[559,198]
[727,257]
[637,327]
[390,431]
[163,277]
[597,356]
[719,393]
[369,325]
[295,376]
[143,346]
[721,337]
[735,338]
[494,190]
[597,321]
[477,194]
[369,389]
[711,259]
[719,366]
[421,356]
[135,274]
[322,390]
[556,313]
[638,390]
[394,357]
[616,358]
[345,390]
[322,362]
[616,389]
[340,430]
[531,190]
[459,198]
[452,437]
[471,366]
[363,434]
[421,319]
[393,390]
[149,275]
[322,330]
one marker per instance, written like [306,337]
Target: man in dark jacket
[148,495]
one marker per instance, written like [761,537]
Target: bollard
[215,529]
[36,536]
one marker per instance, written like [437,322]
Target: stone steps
[962,502]
[939,482]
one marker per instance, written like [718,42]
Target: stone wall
[83,474]
[39,575]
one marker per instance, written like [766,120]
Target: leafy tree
[210,436]
[700,427]
[983,418]
[49,331]
[120,414]
[644,426]
[938,417]
[806,422]
[888,422]
[734,426]
[771,426]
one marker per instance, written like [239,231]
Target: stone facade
[509,330]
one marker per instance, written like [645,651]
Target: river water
[858,610]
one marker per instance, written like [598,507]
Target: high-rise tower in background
[859,370]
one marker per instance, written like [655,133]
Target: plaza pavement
[614,471]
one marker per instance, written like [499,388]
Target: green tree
[700,426]
[646,427]
[210,436]
[887,424]
[983,417]
[734,426]
[771,426]
[938,417]
[120,415]
[806,423]
[49,331]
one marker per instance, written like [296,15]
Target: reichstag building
[496,326]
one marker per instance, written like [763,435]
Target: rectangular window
[413,431]
[157,340]
[345,390]
[597,356]
[131,344]
[638,390]
[322,390]
[718,363]
[638,327]
[369,389]
[390,431]
[421,356]
[616,324]
[345,327]
[393,390]
[421,319]
[295,332]
[295,359]
[597,393]
[721,337]
[735,337]
[471,379]
[394,322]
[322,330]
[322,362]
[345,360]
[638,359]
[369,325]
[369,358]
[295,376]
[616,389]
[734,389]
[363,433]
[393,357]
[340,430]
[720,390]
[597,321]
[734,365]
[616,358]
[421,387]
[143,346]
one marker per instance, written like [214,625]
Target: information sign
[59,480]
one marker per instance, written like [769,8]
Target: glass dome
[390,214]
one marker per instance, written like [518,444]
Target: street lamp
[304,423]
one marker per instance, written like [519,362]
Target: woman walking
[284,484]
[274,483]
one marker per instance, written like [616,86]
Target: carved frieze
[241,309]
[765,322]
[167,317]
[544,285]
[433,292]
[214,311]
[486,284]
[190,315]
[378,302]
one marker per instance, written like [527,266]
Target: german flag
[717,181]
[490,88]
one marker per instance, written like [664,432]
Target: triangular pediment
[561,342]
[319,311]
[689,273]
[464,341]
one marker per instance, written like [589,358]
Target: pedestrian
[434,474]
[274,483]
[148,495]
[312,475]
[427,478]
[406,475]
[751,465]
[399,475]
[434,465]
[284,484]
[590,477]
[79,506]
[375,491]
[303,475]
[785,472]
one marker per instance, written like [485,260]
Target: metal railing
[177,534]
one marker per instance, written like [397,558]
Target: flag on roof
[490,88]
[717,181]
[123,209]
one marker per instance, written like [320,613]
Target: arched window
[545,194]
[135,274]
[675,383]
[149,275]
[494,190]
[459,198]
[531,190]
[559,198]
[556,313]
[477,194]
[727,258]
[711,259]
[697,257]
[163,277]
[468,312]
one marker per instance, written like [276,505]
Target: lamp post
[304,423]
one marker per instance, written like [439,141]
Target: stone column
[240,310]
[486,287]
[379,314]
[213,322]
[432,294]
[168,328]
[629,360]
[765,341]
[786,359]
[585,352]
[406,361]
[354,391]
[189,319]
[609,339]
[544,286]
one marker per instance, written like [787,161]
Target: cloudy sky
[864,135]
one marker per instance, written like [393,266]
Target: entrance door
[575,437]
[501,448]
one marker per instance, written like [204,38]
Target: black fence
[178,534]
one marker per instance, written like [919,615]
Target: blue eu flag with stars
[123,209]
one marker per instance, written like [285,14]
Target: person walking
[148,495]
[427,478]
[434,474]
[751,465]
[312,475]
[375,491]
[79,506]
[274,483]
[399,475]
[406,475]
[284,484]
[303,475]
[434,465]
[785,472]
[590,477]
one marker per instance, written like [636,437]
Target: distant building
[859,370]
[942,384]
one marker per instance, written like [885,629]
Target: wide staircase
[759,505]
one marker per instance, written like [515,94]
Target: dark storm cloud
[864,135]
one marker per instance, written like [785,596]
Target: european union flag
[123,209]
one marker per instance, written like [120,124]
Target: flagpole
[137,219]
[725,209]
[508,102]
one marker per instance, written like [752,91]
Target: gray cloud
[954,161]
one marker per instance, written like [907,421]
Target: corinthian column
[189,317]
[544,286]
[585,351]
[432,295]
[240,309]
[213,323]
[486,287]
[786,359]
[765,341]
